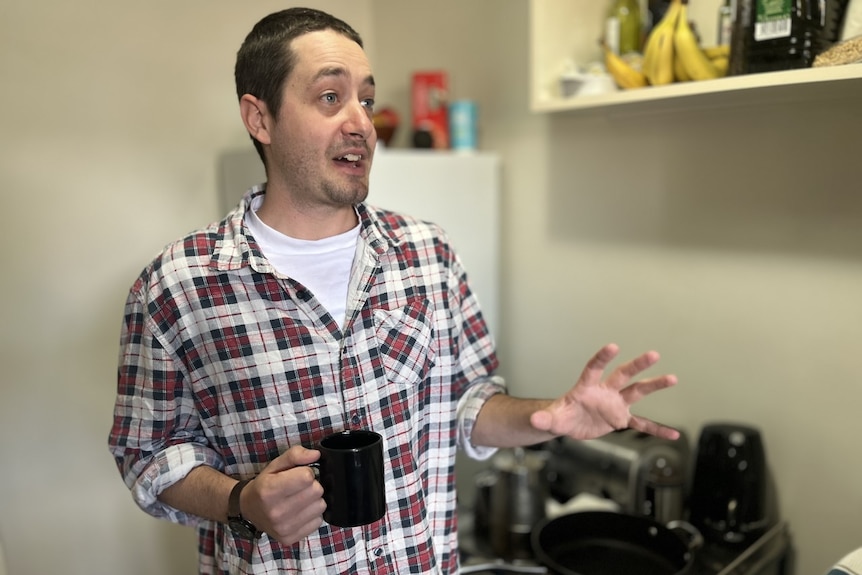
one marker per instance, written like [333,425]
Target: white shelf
[564,30]
[815,84]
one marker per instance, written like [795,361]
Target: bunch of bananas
[672,53]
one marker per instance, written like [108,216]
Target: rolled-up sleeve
[164,469]
[468,410]
[156,437]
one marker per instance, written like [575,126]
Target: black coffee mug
[351,473]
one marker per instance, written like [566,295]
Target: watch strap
[238,524]
[233,501]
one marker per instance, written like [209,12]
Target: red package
[430,106]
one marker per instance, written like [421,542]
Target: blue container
[463,125]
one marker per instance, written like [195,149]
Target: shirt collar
[235,248]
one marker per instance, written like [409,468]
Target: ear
[256,118]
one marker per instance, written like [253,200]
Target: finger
[600,361]
[292,517]
[541,420]
[294,488]
[650,427]
[640,389]
[295,534]
[293,457]
[624,373]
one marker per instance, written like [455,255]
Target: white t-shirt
[322,266]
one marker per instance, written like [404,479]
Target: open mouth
[350,159]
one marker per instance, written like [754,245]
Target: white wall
[729,241]
[112,113]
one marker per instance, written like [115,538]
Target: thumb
[294,457]
[541,420]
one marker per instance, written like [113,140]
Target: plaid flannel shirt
[227,363]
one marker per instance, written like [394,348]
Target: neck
[306,222]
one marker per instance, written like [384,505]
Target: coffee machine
[645,475]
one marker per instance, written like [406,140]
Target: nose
[358,123]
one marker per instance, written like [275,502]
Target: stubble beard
[322,187]
[345,194]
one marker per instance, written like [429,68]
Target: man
[306,311]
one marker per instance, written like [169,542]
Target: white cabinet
[566,30]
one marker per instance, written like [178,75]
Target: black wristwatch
[238,524]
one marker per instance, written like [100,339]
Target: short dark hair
[265,59]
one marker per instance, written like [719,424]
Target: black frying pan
[608,543]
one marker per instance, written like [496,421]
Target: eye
[368,103]
[329,98]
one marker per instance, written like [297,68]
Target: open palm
[597,405]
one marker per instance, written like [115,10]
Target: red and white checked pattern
[224,362]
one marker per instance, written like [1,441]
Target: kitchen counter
[772,554]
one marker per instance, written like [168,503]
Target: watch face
[242,528]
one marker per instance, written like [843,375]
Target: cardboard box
[430,91]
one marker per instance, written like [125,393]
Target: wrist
[238,524]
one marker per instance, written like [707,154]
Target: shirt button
[378,552]
[356,419]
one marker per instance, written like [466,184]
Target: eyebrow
[336,71]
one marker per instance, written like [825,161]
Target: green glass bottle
[624,26]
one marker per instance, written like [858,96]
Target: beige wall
[112,113]
[727,239]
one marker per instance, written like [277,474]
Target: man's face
[323,139]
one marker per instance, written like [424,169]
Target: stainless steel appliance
[644,476]
[511,500]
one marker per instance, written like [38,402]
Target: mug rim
[367,438]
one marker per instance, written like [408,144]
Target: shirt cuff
[468,410]
[167,468]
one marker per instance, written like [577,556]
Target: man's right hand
[285,500]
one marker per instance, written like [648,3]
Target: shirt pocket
[405,338]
